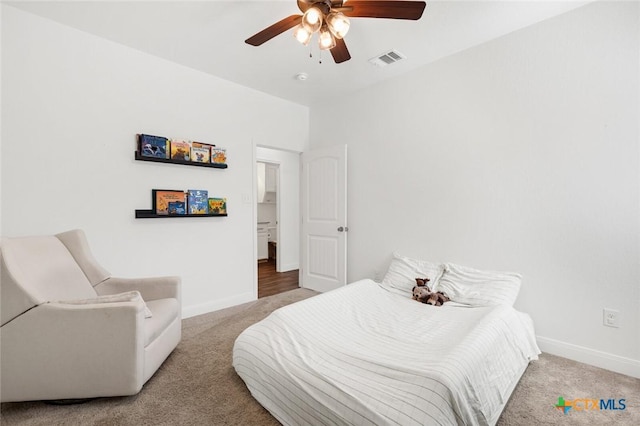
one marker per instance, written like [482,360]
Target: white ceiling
[209,36]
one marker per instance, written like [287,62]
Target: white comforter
[361,355]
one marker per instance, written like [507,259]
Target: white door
[324,218]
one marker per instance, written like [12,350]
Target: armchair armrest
[129,296]
[101,309]
[150,288]
[66,342]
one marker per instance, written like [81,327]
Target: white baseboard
[216,305]
[289,267]
[619,364]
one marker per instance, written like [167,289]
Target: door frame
[254,200]
[278,205]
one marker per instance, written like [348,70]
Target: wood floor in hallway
[271,282]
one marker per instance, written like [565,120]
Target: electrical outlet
[610,318]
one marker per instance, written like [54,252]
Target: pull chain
[311,54]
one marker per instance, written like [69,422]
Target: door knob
[340,229]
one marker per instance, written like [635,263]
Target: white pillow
[479,288]
[403,271]
[129,296]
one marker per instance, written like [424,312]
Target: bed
[367,354]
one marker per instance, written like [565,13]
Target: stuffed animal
[422,282]
[422,293]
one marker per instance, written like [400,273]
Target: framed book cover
[180,150]
[200,154]
[160,199]
[153,146]
[219,155]
[197,201]
[177,208]
[218,205]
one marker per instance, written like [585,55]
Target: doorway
[268,175]
[278,220]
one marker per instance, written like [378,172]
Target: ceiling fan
[330,19]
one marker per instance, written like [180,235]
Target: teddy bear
[422,293]
[421,290]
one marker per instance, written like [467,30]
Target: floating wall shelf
[149,214]
[182,162]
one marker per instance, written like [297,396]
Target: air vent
[387,58]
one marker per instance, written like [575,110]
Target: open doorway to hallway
[278,220]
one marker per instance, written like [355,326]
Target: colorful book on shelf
[180,150]
[208,146]
[177,208]
[202,145]
[218,205]
[218,155]
[161,198]
[200,154]
[197,201]
[153,146]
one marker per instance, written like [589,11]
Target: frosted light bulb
[326,40]
[338,24]
[302,35]
[312,19]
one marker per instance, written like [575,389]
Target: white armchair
[61,338]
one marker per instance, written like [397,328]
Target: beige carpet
[198,386]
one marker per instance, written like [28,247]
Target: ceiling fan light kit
[338,24]
[328,25]
[302,35]
[326,40]
[312,19]
[330,19]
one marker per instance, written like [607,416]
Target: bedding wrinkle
[305,371]
[342,359]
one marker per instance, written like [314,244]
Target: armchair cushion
[76,242]
[165,312]
[32,269]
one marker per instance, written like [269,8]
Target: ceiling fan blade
[274,30]
[340,53]
[384,9]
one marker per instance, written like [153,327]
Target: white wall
[72,104]
[267,212]
[1,116]
[288,204]
[521,154]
